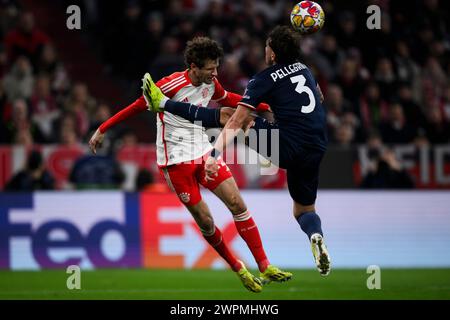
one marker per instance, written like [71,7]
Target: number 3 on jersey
[300,88]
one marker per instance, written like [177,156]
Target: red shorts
[184,179]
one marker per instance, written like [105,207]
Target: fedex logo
[103,229]
[172,239]
[53,230]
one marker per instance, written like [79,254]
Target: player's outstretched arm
[225,115]
[97,138]
[238,121]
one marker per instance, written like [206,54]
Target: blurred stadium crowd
[393,81]
[387,86]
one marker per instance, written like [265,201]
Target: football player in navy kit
[295,99]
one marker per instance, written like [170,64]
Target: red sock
[216,241]
[249,232]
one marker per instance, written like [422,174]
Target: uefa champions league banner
[128,230]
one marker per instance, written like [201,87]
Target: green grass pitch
[223,284]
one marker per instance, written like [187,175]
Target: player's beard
[208,80]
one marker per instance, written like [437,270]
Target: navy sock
[210,118]
[310,223]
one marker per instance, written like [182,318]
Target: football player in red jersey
[181,150]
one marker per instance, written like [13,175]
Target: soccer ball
[307,17]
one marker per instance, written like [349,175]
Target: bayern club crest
[185,197]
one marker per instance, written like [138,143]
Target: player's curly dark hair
[200,49]
[285,43]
